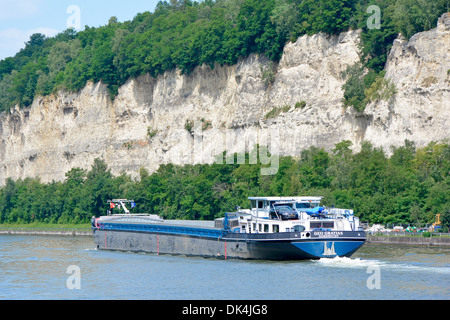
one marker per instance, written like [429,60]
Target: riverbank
[410,241]
[66,232]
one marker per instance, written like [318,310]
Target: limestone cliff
[186,119]
[420,111]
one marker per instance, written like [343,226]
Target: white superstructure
[292,214]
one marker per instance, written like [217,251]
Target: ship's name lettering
[328,234]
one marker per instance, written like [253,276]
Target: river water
[67,268]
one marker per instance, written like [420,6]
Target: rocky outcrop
[420,111]
[187,119]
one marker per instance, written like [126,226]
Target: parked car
[283,213]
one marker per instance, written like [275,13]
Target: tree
[341,165]
[34,44]
[286,16]
[6,94]
[413,16]
[99,186]
[328,16]
[354,87]
[118,48]
[61,53]
[113,20]
[75,177]
[255,29]
[445,219]
[313,168]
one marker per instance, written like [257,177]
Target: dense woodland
[410,186]
[186,34]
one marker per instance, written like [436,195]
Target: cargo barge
[275,228]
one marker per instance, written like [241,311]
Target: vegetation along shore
[410,187]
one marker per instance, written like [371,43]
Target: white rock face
[420,111]
[187,119]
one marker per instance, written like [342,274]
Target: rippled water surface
[36,268]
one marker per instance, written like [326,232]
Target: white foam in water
[343,262]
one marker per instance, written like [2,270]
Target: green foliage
[206,124]
[363,87]
[411,17]
[189,126]
[381,89]
[71,201]
[445,219]
[300,104]
[286,108]
[328,16]
[354,87]
[276,111]
[268,75]
[411,186]
[151,133]
[407,17]
[285,16]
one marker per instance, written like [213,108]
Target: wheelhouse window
[322,224]
[328,225]
[257,204]
[275,228]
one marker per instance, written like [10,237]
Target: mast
[122,202]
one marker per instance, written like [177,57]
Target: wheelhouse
[289,214]
[262,206]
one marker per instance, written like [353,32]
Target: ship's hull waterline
[281,246]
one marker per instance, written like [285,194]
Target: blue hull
[211,242]
[302,250]
[329,248]
[292,246]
